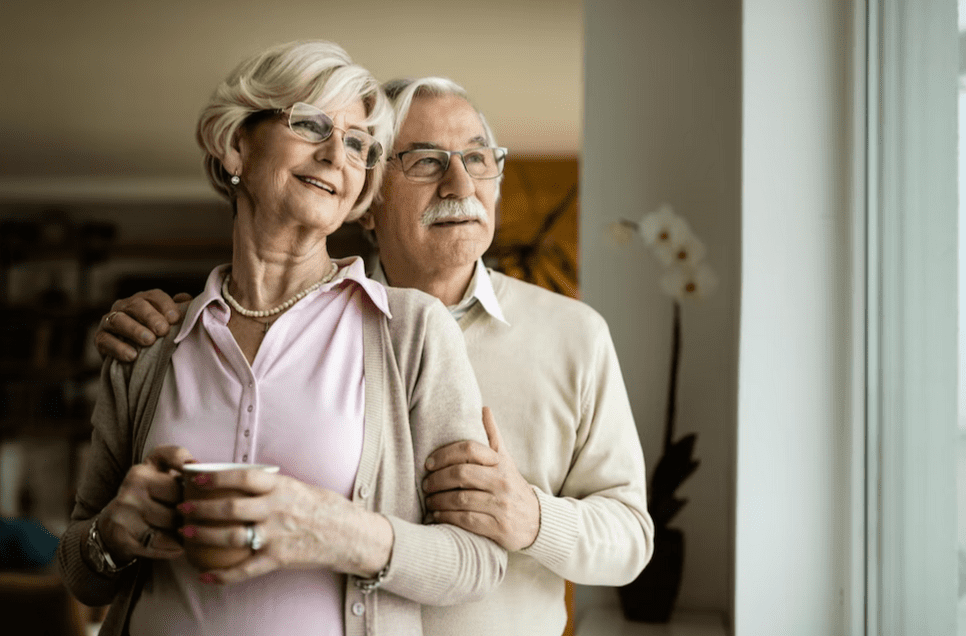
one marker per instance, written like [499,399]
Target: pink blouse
[301,406]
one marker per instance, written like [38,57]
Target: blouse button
[244,458]
[247,432]
[358,608]
[250,407]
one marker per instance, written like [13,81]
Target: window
[912,326]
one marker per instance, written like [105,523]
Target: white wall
[793,438]
[662,123]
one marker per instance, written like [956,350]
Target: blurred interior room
[774,128]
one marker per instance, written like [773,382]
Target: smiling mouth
[318,184]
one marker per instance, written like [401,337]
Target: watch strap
[104,561]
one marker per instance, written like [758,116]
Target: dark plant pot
[651,596]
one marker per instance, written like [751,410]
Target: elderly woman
[286,358]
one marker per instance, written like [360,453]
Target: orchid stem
[673,383]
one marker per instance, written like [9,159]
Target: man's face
[405,243]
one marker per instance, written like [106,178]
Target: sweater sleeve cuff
[558,530]
[413,569]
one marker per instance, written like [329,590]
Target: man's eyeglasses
[311,124]
[428,165]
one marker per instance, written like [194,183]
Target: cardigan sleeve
[596,530]
[123,404]
[441,564]
[106,466]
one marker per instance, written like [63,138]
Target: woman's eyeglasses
[311,124]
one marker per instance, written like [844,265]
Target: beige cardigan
[420,395]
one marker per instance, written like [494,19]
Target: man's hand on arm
[479,489]
[138,321]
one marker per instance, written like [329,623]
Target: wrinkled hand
[138,320]
[480,489]
[141,520]
[303,527]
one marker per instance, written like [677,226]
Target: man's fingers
[492,431]
[110,346]
[466,452]
[463,500]
[468,476]
[153,309]
[182,299]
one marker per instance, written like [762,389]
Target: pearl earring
[235,179]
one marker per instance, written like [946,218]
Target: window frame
[911,318]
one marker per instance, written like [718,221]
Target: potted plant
[652,595]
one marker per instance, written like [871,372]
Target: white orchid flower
[689,252]
[683,281]
[663,232]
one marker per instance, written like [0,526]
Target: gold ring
[110,316]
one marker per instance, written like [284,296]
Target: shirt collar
[480,289]
[350,269]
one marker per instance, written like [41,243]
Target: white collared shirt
[479,290]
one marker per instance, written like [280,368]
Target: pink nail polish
[189,531]
[207,578]
[186,508]
[202,480]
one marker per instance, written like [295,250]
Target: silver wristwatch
[97,552]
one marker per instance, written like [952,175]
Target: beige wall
[111,89]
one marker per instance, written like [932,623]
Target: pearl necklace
[262,313]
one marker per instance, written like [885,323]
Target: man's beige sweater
[553,382]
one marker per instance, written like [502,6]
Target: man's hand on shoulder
[138,321]
[479,489]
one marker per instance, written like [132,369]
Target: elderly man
[561,485]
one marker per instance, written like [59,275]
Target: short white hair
[312,71]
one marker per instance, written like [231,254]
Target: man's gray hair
[401,93]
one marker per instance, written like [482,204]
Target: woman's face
[293,181]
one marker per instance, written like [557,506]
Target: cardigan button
[358,608]
[364,491]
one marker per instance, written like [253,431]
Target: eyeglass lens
[311,124]
[431,164]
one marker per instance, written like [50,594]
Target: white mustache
[468,209]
